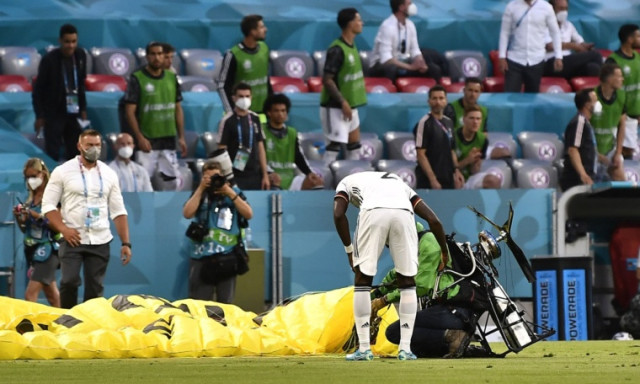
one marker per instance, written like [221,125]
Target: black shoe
[458,341]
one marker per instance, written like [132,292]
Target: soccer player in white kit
[387,207]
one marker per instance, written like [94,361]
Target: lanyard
[402,43]
[84,180]
[446,131]
[75,76]
[525,14]
[133,175]
[250,132]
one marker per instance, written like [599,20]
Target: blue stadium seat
[534,174]
[312,144]
[501,140]
[371,149]
[202,62]
[544,146]
[406,170]
[22,61]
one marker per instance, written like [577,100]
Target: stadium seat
[281,84]
[319,57]
[365,58]
[559,164]
[312,144]
[113,61]
[202,62]
[544,146]
[554,85]
[105,83]
[296,64]
[379,85]
[315,84]
[605,53]
[89,64]
[403,168]
[343,168]
[197,84]
[578,83]
[209,141]
[141,54]
[400,145]
[414,84]
[445,81]
[19,61]
[319,167]
[501,140]
[632,170]
[455,87]
[371,149]
[495,60]
[192,138]
[534,174]
[14,83]
[501,170]
[463,64]
[493,84]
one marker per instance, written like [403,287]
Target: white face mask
[562,16]
[243,103]
[597,108]
[92,154]
[34,182]
[412,10]
[125,152]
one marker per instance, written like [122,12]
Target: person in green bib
[343,90]
[247,62]
[284,154]
[471,93]
[154,113]
[608,122]
[629,60]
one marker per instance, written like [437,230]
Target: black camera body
[197,232]
[217,182]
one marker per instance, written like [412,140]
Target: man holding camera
[220,211]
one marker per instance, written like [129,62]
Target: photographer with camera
[218,254]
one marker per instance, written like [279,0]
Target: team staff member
[470,94]
[89,194]
[343,89]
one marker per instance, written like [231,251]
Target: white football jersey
[370,190]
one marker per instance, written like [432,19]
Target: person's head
[253,26]
[559,5]
[169,53]
[89,145]
[472,119]
[585,99]
[155,55]
[611,74]
[36,174]
[211,167]
[124,146]
[437,98]
[629,34]
[472,90]
[405,7]
[68,39]
[242,96]
[276,108]
[349,20]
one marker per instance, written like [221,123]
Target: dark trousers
[224,290]
[93,259]
[436,63]
[428,332]
[518,74]
[61,131]
[576,64]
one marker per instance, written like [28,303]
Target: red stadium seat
[455,87]
[445,81]
[494,84]
[414,84]
[493,56]
[14,83]
[288,84]
[379,85]
[315,84]
[554,85]
[105,83]
[605,53]
[578,83]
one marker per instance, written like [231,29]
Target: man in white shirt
[89,193]
[578,57]
[396,51]
[133,176]
[525,24]
[387,207]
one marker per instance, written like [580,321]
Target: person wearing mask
[133,177]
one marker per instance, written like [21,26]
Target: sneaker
[458,341]
[359,355]
[404,355]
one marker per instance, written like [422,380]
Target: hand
[378,304]
[617,160]
[143,144]
[265,184]
[350,257]
[346,111]
[183,147]
[71,236]
[602,159]
[419,65]
[275,179]
[557,65]
[585,179]
[435,184]
[38,125]
[444,259]
[503,66]
[475,154]
[125,254]
[458,179]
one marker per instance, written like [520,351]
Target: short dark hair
[582,97]
[241,85]
[153,44]
[345,16]
[472,80]
[607,70]
[249,23]
[626,31]
[166,48]
[437,88]
[68,29]
[277,98]
[472,108]
[395,4]
[89,132]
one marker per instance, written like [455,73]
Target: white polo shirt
[133,176]
[389,39]
[522,37]
[88,214]
[370,190]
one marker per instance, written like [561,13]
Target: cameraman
[221,211]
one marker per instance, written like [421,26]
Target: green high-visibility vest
[463,148]
[281,154]
[631,73]
[605,124]
[253,69]
[157,105]
[350,79]
[458,108]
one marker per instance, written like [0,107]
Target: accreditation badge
[241,159]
